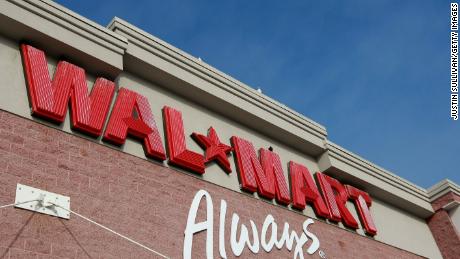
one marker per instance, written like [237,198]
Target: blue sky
[375,74]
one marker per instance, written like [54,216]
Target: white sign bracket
[41,201]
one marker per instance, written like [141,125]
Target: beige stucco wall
[402,229]
[454,214]
[396,227]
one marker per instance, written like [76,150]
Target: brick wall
[136,197]
[444,231]
[445,199]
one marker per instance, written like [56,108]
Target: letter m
[49,99]
[265,176]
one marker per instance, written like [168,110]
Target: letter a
[193,227]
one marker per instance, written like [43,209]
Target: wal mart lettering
[132,116]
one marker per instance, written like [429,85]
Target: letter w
[49,99]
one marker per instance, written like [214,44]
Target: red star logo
[214,149]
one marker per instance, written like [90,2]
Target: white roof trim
[442,188]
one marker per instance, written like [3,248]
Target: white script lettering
[287,239]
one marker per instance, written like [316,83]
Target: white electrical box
[42,201]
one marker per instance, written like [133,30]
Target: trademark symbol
[322,254]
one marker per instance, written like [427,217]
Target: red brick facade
[443,200]
[136,197]
[444,232]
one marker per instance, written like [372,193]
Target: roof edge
[377,170]
[378,182]
[231,84]
[443,187]
[59,14]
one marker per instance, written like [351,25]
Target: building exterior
[182,159]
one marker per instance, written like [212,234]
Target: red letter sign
[303,189]
[266,177]
[363,201]
[177,149]
[336,200]
[141,124]
[50,98]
